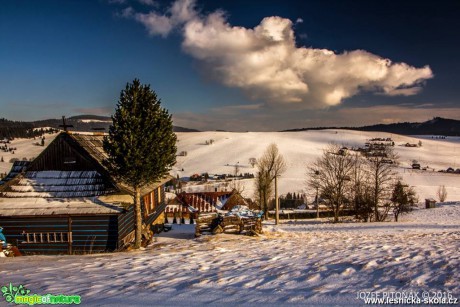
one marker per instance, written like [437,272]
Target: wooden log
[217,230]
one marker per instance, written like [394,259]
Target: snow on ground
[306,262]
[302,148]
[26,148]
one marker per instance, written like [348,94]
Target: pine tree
[403,198]
[141,144]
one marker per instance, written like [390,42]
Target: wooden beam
[69,233]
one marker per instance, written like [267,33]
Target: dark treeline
[16,129]
[86,123]
[436,126]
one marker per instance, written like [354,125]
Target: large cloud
[267,65]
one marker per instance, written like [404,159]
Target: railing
[129,238]
[158,211]
[47,237]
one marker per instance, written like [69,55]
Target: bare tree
[332,178]
[263,191]
[271,165]
[237,185]
[382,179]
[442,193]
[360,189]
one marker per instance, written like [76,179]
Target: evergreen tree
[403,198]
[141,144]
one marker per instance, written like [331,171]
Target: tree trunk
[265,204]
[317,203]
[138,218]
[336,213]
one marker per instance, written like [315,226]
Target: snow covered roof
[59,184]
[70,167]
[56,206]
[93,145]
[204,201]
[17,168]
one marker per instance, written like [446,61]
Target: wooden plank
[69,234]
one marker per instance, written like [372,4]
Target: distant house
[416,166]
[65,201]
[236,199]
[189,205]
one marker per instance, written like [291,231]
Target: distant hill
[436,126]
[86,123]
[183,129]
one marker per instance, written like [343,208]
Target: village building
[65,201]
[186,207]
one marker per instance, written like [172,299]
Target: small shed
[430,203]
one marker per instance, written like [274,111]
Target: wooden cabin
[65,201]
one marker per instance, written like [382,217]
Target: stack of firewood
[214,223]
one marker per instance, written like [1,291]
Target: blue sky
[234,65]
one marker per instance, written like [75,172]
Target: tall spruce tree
[141,144]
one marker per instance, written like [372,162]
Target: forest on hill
[87,123]
[435,126]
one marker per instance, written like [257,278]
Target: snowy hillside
[302,148]
[25,148]
[300,263]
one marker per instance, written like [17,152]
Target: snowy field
[300,263]
[300,149]
[26,148]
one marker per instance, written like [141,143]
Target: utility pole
[277,205]
[317,193]
[317,203]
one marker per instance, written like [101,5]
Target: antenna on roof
[64,124]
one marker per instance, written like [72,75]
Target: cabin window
[47,237]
